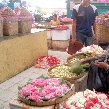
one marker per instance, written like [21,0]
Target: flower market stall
[57,36]
[65,85]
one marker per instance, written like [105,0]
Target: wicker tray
[51,101]
[71,80]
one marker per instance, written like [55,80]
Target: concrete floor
[9,88]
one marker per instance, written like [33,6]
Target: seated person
[54,21]
[98,75]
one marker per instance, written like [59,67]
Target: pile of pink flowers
[47,61]
[8,14]
[87,100]
[44,89]
[23,14]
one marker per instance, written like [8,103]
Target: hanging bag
[74,47]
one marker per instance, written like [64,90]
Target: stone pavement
[9,88]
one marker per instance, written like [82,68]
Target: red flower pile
[46,61]
[61,27]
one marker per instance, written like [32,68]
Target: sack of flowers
[45,91]
[25,20]
[46,61]
[87,100]
[70,73]
[10,22]
[1,26]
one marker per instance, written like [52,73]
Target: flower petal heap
[47,61]
[40,89]
[92,49]
[8,14]
[87,100]
[23,14]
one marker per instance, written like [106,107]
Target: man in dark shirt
[84,16]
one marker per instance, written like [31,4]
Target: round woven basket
[86,60]
[71,80]
[52,101]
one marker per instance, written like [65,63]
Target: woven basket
[86,60]
[1,28]
[60,45]
[24,26]
[71,80]
[51,101]
[49,43]
[10,28]
[102,33]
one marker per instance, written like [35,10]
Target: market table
[18,52]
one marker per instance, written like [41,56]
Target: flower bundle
[92,49]
[87,100]
[46,61]
[44,89]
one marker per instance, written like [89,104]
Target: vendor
[98,76]
[54,21]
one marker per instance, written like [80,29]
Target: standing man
[83,26]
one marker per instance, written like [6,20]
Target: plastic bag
[74,47]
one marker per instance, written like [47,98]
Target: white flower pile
[87,100]
[92,49]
